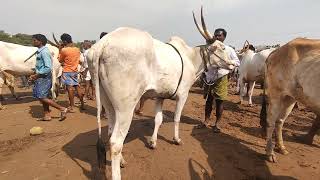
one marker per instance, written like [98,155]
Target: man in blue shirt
[43,78]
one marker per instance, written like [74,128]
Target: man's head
[103,34]
[66,39]
[39,40]
[86,45]
[220,34]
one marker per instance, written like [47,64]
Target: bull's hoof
[282,151]
[18,98]
[272,158]
[152,144]
[123,163]
[2,107]
[177,141]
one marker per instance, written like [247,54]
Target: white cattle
[128,63]
[12,57]
[292,74]
[251,70]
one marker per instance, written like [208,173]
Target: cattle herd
[128,63]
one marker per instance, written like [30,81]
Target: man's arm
[46,56]
[234,57]
[61,56]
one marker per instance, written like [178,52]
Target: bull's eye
[213,48]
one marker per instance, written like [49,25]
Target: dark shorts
[70,78]
[42,86]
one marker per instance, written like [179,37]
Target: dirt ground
[67,150]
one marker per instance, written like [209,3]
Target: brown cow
[292,74]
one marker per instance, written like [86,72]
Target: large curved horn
[198,27]
[208,34]
[52,43]
[55,39]
[244,45]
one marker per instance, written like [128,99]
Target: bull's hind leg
[1,96]
[120,131]
[308,138]
[278,111]
[14,94]
[158,121]
[251,87]
[111,117]
[177,115]
[286,106]
[273,113]
[241,90]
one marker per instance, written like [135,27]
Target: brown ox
[292,74]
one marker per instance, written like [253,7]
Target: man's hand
[33,77]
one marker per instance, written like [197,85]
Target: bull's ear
[222,46]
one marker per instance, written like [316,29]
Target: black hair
[224,32]
[40,37]
[66,37]
[103,34]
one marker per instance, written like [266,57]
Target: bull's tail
[54,81]
[94,66]
[263,112]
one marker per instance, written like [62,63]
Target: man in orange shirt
[69,57]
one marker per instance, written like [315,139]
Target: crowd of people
[74,69]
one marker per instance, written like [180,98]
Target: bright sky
[259,21]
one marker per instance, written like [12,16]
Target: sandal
[202,126]
[70,110]
[63,114]
[45,119]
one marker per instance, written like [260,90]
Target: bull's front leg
[158,121]
[177,115]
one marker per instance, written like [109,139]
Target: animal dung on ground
[36,131]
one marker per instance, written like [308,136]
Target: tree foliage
[23,39]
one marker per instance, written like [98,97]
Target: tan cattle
[292,74]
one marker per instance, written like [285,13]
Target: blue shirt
[43,61]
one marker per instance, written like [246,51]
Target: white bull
[128,63]
[12,57]
[251,70]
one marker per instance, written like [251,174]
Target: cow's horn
[52,43]
[198,27]
[208,34]
[55,39]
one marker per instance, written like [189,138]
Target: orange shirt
[70,57]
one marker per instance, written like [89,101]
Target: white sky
[259,21]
